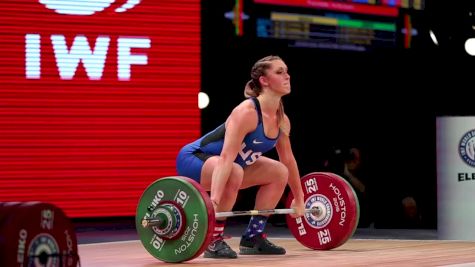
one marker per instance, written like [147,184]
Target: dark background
[384,101]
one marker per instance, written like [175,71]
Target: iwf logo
[91,53]
[85,7]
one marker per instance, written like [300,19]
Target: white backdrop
[456,178]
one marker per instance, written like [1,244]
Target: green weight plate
[198,222]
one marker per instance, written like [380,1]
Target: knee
[281,174]
[235,179]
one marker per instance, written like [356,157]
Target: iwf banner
[96,99]
[456,177]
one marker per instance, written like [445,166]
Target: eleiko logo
[85,7]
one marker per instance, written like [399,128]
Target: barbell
[151,222]
[175,216]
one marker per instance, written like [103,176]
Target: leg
[271,176]
[232,186]
[218,248]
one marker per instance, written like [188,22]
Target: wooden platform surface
[355,252]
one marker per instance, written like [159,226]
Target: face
[277,78]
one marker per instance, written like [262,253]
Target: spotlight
[203,100]
[470,46]
[433,37]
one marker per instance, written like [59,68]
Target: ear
[264,81]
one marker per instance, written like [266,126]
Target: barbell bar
[151,222]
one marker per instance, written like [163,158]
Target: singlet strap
[258,108]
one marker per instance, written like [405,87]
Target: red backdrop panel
[95,99]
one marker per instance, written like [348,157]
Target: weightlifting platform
[116,243]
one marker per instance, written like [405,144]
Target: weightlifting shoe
[259,245]
[219,249]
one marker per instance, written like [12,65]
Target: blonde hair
[253,87]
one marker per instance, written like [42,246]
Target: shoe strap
[264,237]
[223,245]
[217,238]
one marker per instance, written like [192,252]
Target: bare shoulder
[244,114]
[245,108]
[285,125]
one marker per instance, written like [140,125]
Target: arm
[242,120]
[286,156]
